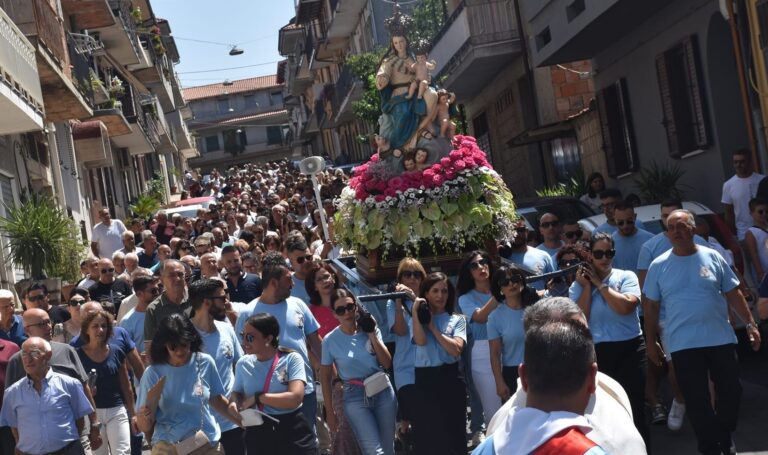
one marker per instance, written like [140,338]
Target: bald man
[46,396]
[63,360]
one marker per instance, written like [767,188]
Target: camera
[365,321]
[423,313]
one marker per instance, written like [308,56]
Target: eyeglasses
[302,259]
[321,278]
[598,254]
[521,230]
[109,270]
[46,323]
[573,234]
[343,309]
[411,274]
[506,281]
[549,224]
[621,223]
[75,302]
[477,264]
[33,354]
[36,298]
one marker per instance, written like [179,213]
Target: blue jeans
[372,419]
[309,410]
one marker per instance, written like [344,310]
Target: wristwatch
[95,425]
[751,325]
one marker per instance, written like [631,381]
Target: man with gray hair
[148,257]
[45,410]
[129,243]
[11,326]
[689,282]
[608,408]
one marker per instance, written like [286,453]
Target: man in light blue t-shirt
[609,198]
[551,231]
[537,261]
[688,282]
[628,239]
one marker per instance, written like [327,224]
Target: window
[212,143]
[274,135]
[6,193]
[276,99]
[566,157]
[223,105]
[250,102]
[37,148]
[234,141]
[616,129]
[482,134]
[681,86]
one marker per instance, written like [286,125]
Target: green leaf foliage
[657,183]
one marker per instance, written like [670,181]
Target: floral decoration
[458,200]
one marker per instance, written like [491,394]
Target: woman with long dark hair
[476,303]
[440,336]
[272,379]
[595,185]
[356,350]
[506,335]
[609,298]
[192,386]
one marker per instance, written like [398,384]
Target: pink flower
[437,168]
[379,198]
[467,152]
[470,162]
[361,194]
[366,177]
[456,155]
[374,158]
[427,174]
[438,180]
[460,165]
[396,182]
[362,169]
[450,174]
[445,161]
[468,144]
[390,192]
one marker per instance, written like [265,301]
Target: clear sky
[251,24]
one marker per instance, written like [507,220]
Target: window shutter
[604,109]
[667,105]
[696,88]
[616,129]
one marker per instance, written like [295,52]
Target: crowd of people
[231,332]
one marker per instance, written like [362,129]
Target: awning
[543,134]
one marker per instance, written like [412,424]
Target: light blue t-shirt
[405,352]
[610,229]
[470,302]
[296,323]
[251,373]
[506,323]
[551,251]
[432,354]
[604,323]
[222,344]
[179,412]
[690,290]
[656,246]
[353,355]
[300,290]
[133,323]
[628,249]
[538,261]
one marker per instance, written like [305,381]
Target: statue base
[377,270]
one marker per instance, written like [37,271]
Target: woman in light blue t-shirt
[440,336]
[281,398]
[357,351]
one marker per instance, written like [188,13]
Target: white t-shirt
[109,238]
[737,192]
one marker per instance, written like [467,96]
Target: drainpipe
[742,83]
[532,84]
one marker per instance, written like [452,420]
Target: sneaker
[658,414]
[676,414]
[477,438]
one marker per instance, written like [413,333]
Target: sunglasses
[521,229]
[549,224]
[506,281]
[247,337]
[302,259]
[623,222]
[477,264]
[76,302]
[343,309]
[598,254]
[36,298]
[411,274]
[109,270]
[573,234]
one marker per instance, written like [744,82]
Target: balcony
[345,17]
[318,53]
[88,14]
[252,153]
[158,77]
[290,39]
[44,28]
[181,134]
[144,137]
[478,40]
[92,146]
[121,38]
[80,63]
[566,30]
[348,89]
[21,98]
[308,10]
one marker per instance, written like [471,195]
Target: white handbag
[375,383]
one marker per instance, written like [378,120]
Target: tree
[364,67]
[429,17]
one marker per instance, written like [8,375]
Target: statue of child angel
[421,70]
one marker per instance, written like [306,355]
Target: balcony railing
[81,71]
[122,10]
[50,30]
[17,62]
[344,86]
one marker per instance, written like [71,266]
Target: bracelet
[751,325]
[257,399]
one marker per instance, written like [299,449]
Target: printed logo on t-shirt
[282,375]
[228,351]
[539,268]
[704,272]
[299,320]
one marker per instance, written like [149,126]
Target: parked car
[189,207]
[565,207]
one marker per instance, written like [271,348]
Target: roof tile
[242,85]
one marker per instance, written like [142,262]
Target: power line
[219,43]
[226,69]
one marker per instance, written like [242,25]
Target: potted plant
[36,232]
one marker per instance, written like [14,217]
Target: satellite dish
[312,165]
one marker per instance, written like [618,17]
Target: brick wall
[587,127]
[573,87]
